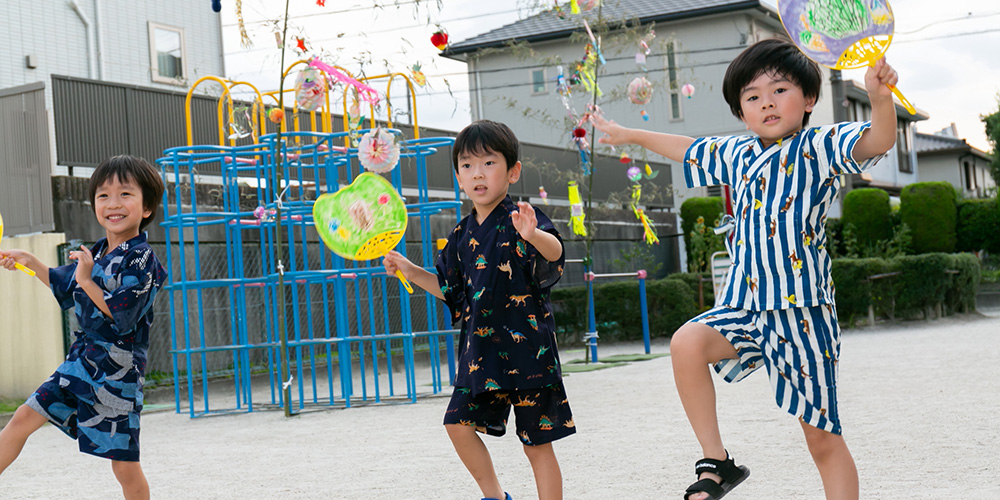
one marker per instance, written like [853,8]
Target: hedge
[923,282]
[867,210]
[929,209]
[710,208]
[978,226]
[671,302]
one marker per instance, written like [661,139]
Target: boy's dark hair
[776,56]
[127,168]
[484,136]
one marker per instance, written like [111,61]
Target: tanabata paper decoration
[17,266]
[301,44]
[634,174]
[645,116]
[439,39]
[586,71]
[687,90]
[362,221]
[310,89]
[543,194]
[216,5]
[624,158]
[264,214]
[595,42]
[418,76]
[648,232]
[321,3]
[576,217]
[841,34]
[560,13]
[378,151]
[640,90]
[367,93]
[575,6]
[276,115]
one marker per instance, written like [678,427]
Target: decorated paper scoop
[18,266]
[362,221]
[841,34]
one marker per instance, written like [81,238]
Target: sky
[947,54]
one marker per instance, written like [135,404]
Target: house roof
[548,26]
[934,144]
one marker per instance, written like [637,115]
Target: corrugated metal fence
[25,185]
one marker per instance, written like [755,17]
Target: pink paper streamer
[367,93]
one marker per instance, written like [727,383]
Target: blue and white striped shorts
[800,348]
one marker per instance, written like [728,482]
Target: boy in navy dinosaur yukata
[777,308]
[95,396]
[495,274]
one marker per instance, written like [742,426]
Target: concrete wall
[31,327]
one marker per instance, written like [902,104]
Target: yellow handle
[406,284]
[27,271]
[899,95]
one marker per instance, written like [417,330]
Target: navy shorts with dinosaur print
[541,415]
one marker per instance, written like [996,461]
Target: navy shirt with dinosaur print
[497,287]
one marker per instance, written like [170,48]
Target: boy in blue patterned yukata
[95,396]
[495,274]
[777,308]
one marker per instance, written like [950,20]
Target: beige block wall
[31,340]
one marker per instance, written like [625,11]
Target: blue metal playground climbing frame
[348,323]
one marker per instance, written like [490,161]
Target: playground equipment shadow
[221,393]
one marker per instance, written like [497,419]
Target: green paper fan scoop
[362,221]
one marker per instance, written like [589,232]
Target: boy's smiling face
[485,178]
[119,208]
[773,107]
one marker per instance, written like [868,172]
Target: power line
[387,30]
[952,35]
[968,17]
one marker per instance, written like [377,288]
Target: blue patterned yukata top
[497,286]
[781,195]
[95,396]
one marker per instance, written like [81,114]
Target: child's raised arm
[882,135]
[10,257]
[394,261]
[668,145]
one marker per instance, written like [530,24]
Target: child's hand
[84,264]
[394,261]
[524,220]
[877,79]
[614,134]
[8,258]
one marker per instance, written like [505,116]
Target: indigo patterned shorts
[541,415]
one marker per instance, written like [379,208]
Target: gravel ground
[919,403]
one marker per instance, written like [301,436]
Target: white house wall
[55,35]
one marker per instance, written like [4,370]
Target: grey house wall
[501,90]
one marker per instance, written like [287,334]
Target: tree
[992,122]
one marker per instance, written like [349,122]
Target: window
[970,177]
[903,147]
[674,87]
[166,52]
[538,81]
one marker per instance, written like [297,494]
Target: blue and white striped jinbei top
[781,195]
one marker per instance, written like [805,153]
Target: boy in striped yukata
[777,308]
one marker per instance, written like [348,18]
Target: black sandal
[732,475]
